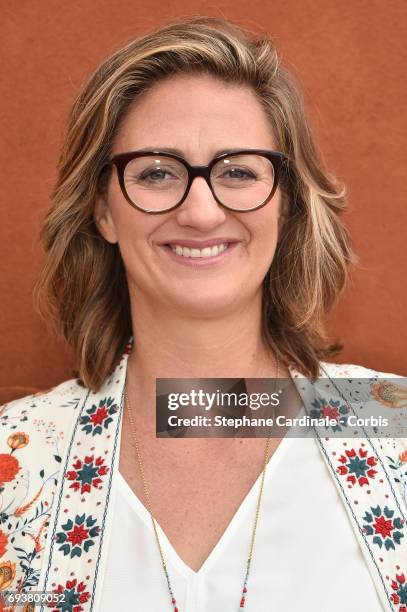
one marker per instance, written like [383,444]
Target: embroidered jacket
[59,457]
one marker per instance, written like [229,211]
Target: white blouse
[306,556]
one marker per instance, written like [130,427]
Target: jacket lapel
[364,473]
[81,522]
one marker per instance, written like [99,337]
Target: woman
[194,234]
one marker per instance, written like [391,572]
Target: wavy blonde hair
[83,286]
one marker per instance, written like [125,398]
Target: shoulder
[352,370]
[65,395]
[34,430]
[388,391]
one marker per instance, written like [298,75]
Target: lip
[198,262]
[199,244]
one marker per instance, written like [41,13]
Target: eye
[155,175]
[238,173]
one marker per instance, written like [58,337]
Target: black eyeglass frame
[121,160]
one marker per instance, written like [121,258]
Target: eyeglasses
[156,182]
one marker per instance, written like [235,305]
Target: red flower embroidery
[9,467]
[3,542]
[75,594]
[330,413]
[86,473]
[78,534]
[383,527]
[400,595]
[357,466]
[99,416]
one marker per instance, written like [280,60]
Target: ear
[103,219]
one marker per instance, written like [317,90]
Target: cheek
[120,210]
[133,232]
[131,225]
[265,228]
[264,236]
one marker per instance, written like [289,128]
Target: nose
[200,209]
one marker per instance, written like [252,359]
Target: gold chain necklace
[147,495]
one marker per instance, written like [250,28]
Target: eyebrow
[164,149]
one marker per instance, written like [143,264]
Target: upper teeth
[206,252]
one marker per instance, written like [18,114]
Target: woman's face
[198,115]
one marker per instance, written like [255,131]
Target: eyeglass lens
[241,182]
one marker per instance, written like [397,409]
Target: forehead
[195,113]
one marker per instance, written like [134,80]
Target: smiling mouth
[193,256]
[205,253]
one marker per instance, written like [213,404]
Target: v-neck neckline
[137,505]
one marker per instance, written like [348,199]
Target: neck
[167,345]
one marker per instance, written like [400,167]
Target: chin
[207,303]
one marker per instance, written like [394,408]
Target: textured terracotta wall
[350,58]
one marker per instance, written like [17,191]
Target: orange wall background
[350,58]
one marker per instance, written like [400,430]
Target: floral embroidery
[399,467]
[86,474]
[95,417]
[11,514]
[357,466]
[330,410]
[7,420]
[18,440]
[383,525]
[77,536]
[74,593]
[7,573]
[389,394]
[399,585]
[3,543]
[30,575]
[9,467]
